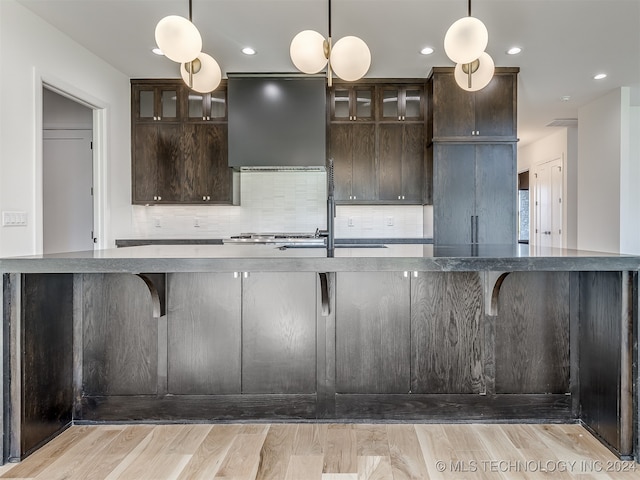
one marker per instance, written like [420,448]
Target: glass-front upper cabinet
[354,103]
[401,103]
[156,103]
[208,106]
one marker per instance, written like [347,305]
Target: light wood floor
[322,452]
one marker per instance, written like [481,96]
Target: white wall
[560,143]
[32,51]
[629,191]
[603,146]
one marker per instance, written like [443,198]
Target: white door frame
[100,132]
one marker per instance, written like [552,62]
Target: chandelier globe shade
[350,58]
[480,78]
[207,78]
[178,38]
[307,51]
[465,40]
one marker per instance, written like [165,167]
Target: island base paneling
[441,348]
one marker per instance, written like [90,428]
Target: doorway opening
[67,174]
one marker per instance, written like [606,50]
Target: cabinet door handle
[159,197]
[476,229]
[324,294]
[472,230]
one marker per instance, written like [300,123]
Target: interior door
[67,191]
[548,179]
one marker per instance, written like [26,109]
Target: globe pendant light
[308,51]
[203,74]
[465,43]
[465,40]
[476,75]
[349,58]
[178,38]
[180,41]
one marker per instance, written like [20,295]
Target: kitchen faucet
[329,233]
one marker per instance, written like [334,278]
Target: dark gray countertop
[407,257]
[136,242]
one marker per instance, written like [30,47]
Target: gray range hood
[277,122]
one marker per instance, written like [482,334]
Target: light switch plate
[14,219]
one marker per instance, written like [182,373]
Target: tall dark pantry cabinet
[473,147]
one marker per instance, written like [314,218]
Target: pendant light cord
[469,7]
[191,10]
[329,18]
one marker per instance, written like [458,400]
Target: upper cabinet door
[488,114]
[401,103]
[453,108]
[352,104]
[207,107]
[495,107]
[156,103]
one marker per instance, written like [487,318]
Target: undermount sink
[342,245]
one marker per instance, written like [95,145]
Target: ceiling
[565,42]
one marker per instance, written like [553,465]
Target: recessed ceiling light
[600,76]
[157,51]
[565,98]
[514,51]
[426,51]
[248,51]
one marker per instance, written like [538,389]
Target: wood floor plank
[207,459]
[308,467]
[310,439]
[115,452]
[145,464]
[42,458]
[463,438]
[340,450]
[407,462]
[374,468]
[523,436]
[436,448]
[276,452]
[243,458]
[371,440]
[84,452]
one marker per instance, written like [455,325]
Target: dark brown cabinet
[474,193]
[488,114]
[179,145]
[353,149]
[373,332]
[377,142]
[401,162]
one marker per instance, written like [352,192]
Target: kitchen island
[399,333]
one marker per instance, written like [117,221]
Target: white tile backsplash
[373,221]
[277,201]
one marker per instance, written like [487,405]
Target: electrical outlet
[157,222]
[389,221]
[196,222]
[350,222]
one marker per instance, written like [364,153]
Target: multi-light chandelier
[180,41]
[349,58]
[465,43]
